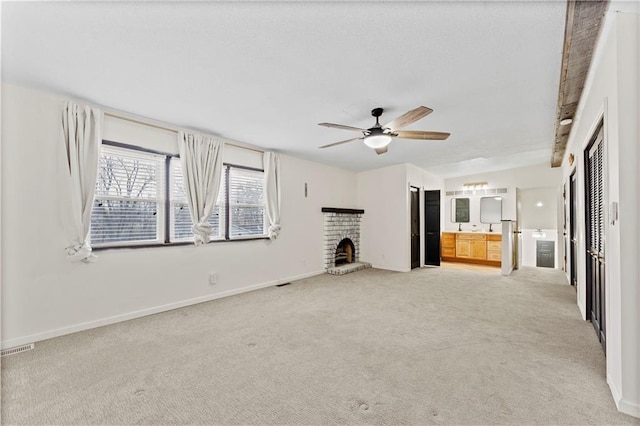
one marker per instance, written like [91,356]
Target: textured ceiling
[267,73]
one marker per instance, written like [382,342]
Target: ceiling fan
[378,137]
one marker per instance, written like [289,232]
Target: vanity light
[476,185]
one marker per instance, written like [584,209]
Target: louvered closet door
[595,234]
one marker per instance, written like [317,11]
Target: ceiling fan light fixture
[377,141]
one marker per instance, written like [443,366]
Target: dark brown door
[432,228]
[573,224]
[595,234]
[415,227]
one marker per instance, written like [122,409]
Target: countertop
[474,232]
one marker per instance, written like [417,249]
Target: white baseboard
[144,312]
[623,405]
[390,268]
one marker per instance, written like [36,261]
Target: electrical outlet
[213,278]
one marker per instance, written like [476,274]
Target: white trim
[144,312]
[391,268]
[624,406]
[615,393]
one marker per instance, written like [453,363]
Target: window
[246,202]
[140,200]
[128,203]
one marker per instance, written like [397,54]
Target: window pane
[181,221]
[128,173]
[123,221]
[181,218]
[246,221]
[246,202]
[246,186]
[129,197]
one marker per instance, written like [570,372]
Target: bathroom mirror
[459,210]
[490,209]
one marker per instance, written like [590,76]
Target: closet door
[594,176]
[573,229]
[432,228]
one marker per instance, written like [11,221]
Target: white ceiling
[267,73]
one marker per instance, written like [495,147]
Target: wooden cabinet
[472,248]
[448,241]
[494,247]
[463,248]
[478,250]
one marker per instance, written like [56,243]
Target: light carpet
[432,346]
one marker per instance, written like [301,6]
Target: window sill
[176,244]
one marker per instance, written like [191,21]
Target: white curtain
[81,137]
[272,182]
[201,158]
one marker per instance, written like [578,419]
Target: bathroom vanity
[472,247]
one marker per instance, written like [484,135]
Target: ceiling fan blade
[382,150]
[409,117]
[341,142]
[341,126]
[420,134]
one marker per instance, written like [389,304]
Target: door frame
[573,229]
[595,275]
[414,208]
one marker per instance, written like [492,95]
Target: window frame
[164,227]
[227,231]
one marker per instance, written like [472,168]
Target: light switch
[613,212]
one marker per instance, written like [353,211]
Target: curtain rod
[169,129]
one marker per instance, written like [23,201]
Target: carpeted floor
[433,346]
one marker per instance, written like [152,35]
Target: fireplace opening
[345,252]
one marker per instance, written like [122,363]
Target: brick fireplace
[342,240]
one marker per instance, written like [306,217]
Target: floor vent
[17,349]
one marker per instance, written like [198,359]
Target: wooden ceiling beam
[582,26]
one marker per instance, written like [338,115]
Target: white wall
[538,176]
[508,211]
[535,217]
[386,224]
[44,295]
[540,181]
[528,245]
[612,91]
[541,175]
[383,194]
